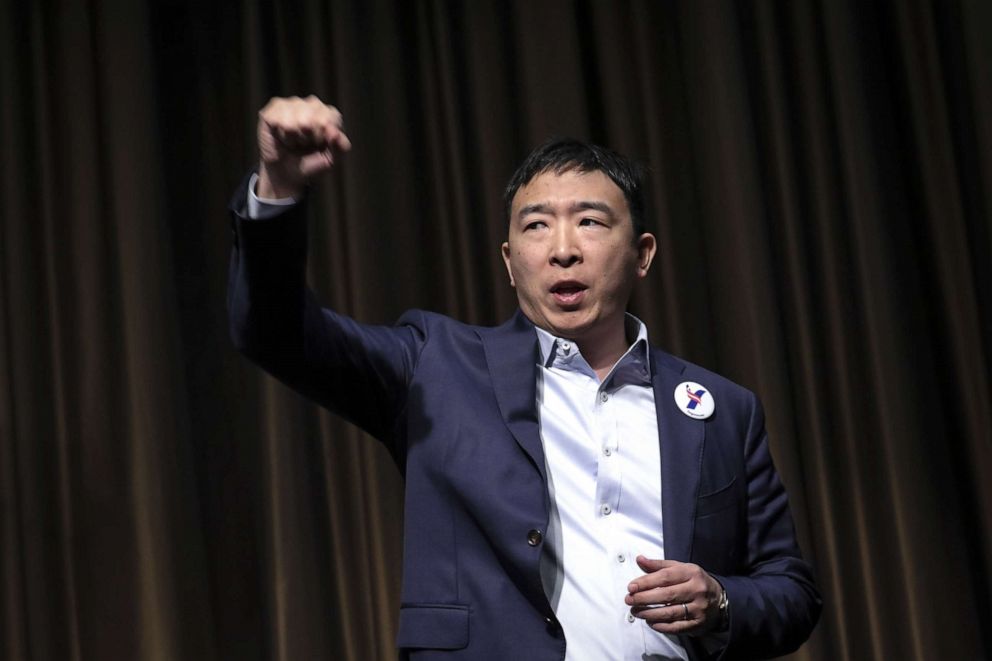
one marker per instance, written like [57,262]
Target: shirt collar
[636,355]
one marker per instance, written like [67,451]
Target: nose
[565,249]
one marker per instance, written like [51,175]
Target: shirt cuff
[260,208]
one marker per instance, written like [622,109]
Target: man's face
[571,254]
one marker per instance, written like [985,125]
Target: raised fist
[297,139]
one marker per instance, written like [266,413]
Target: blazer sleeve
[775,604]
[360,372]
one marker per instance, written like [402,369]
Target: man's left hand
[675,597]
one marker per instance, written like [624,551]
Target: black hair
[561,155]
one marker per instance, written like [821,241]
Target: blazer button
[534,537]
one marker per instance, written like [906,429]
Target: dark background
[820,184]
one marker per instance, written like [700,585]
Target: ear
[647,245]
[505,250]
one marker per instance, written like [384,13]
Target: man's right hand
[297,139]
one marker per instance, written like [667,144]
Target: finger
[325,119]
[656,597]
[333,129]
[677,618]
[667,576]
[338,139]
[662,614]
[678,628]
[282,114]
[290,139]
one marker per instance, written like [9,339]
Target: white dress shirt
[604,477]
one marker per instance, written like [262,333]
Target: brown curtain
[820,183]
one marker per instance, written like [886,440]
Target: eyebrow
[584,205]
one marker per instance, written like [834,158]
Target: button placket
[608,476]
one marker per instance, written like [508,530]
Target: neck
[605,349]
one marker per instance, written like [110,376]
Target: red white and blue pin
[694,400]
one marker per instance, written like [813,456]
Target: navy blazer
[456,406]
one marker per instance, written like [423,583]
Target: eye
[591,222]
[534,224]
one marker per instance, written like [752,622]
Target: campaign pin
[694,400]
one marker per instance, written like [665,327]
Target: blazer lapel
[512,354]
[681,439]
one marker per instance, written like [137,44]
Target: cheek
[621,276]
[521,263]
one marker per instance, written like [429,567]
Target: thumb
[316,163]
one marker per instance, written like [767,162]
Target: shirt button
[607,451]
[604,397]
[534,537]
[621,557]
[630,617]
[605,509]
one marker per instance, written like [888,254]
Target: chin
[570,330]
[571,324]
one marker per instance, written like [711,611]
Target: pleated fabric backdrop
[820,184]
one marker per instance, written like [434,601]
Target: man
[571,492]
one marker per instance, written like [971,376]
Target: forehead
[568,188]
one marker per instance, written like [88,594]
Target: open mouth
[568,293]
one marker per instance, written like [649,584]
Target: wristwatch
[724,606]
